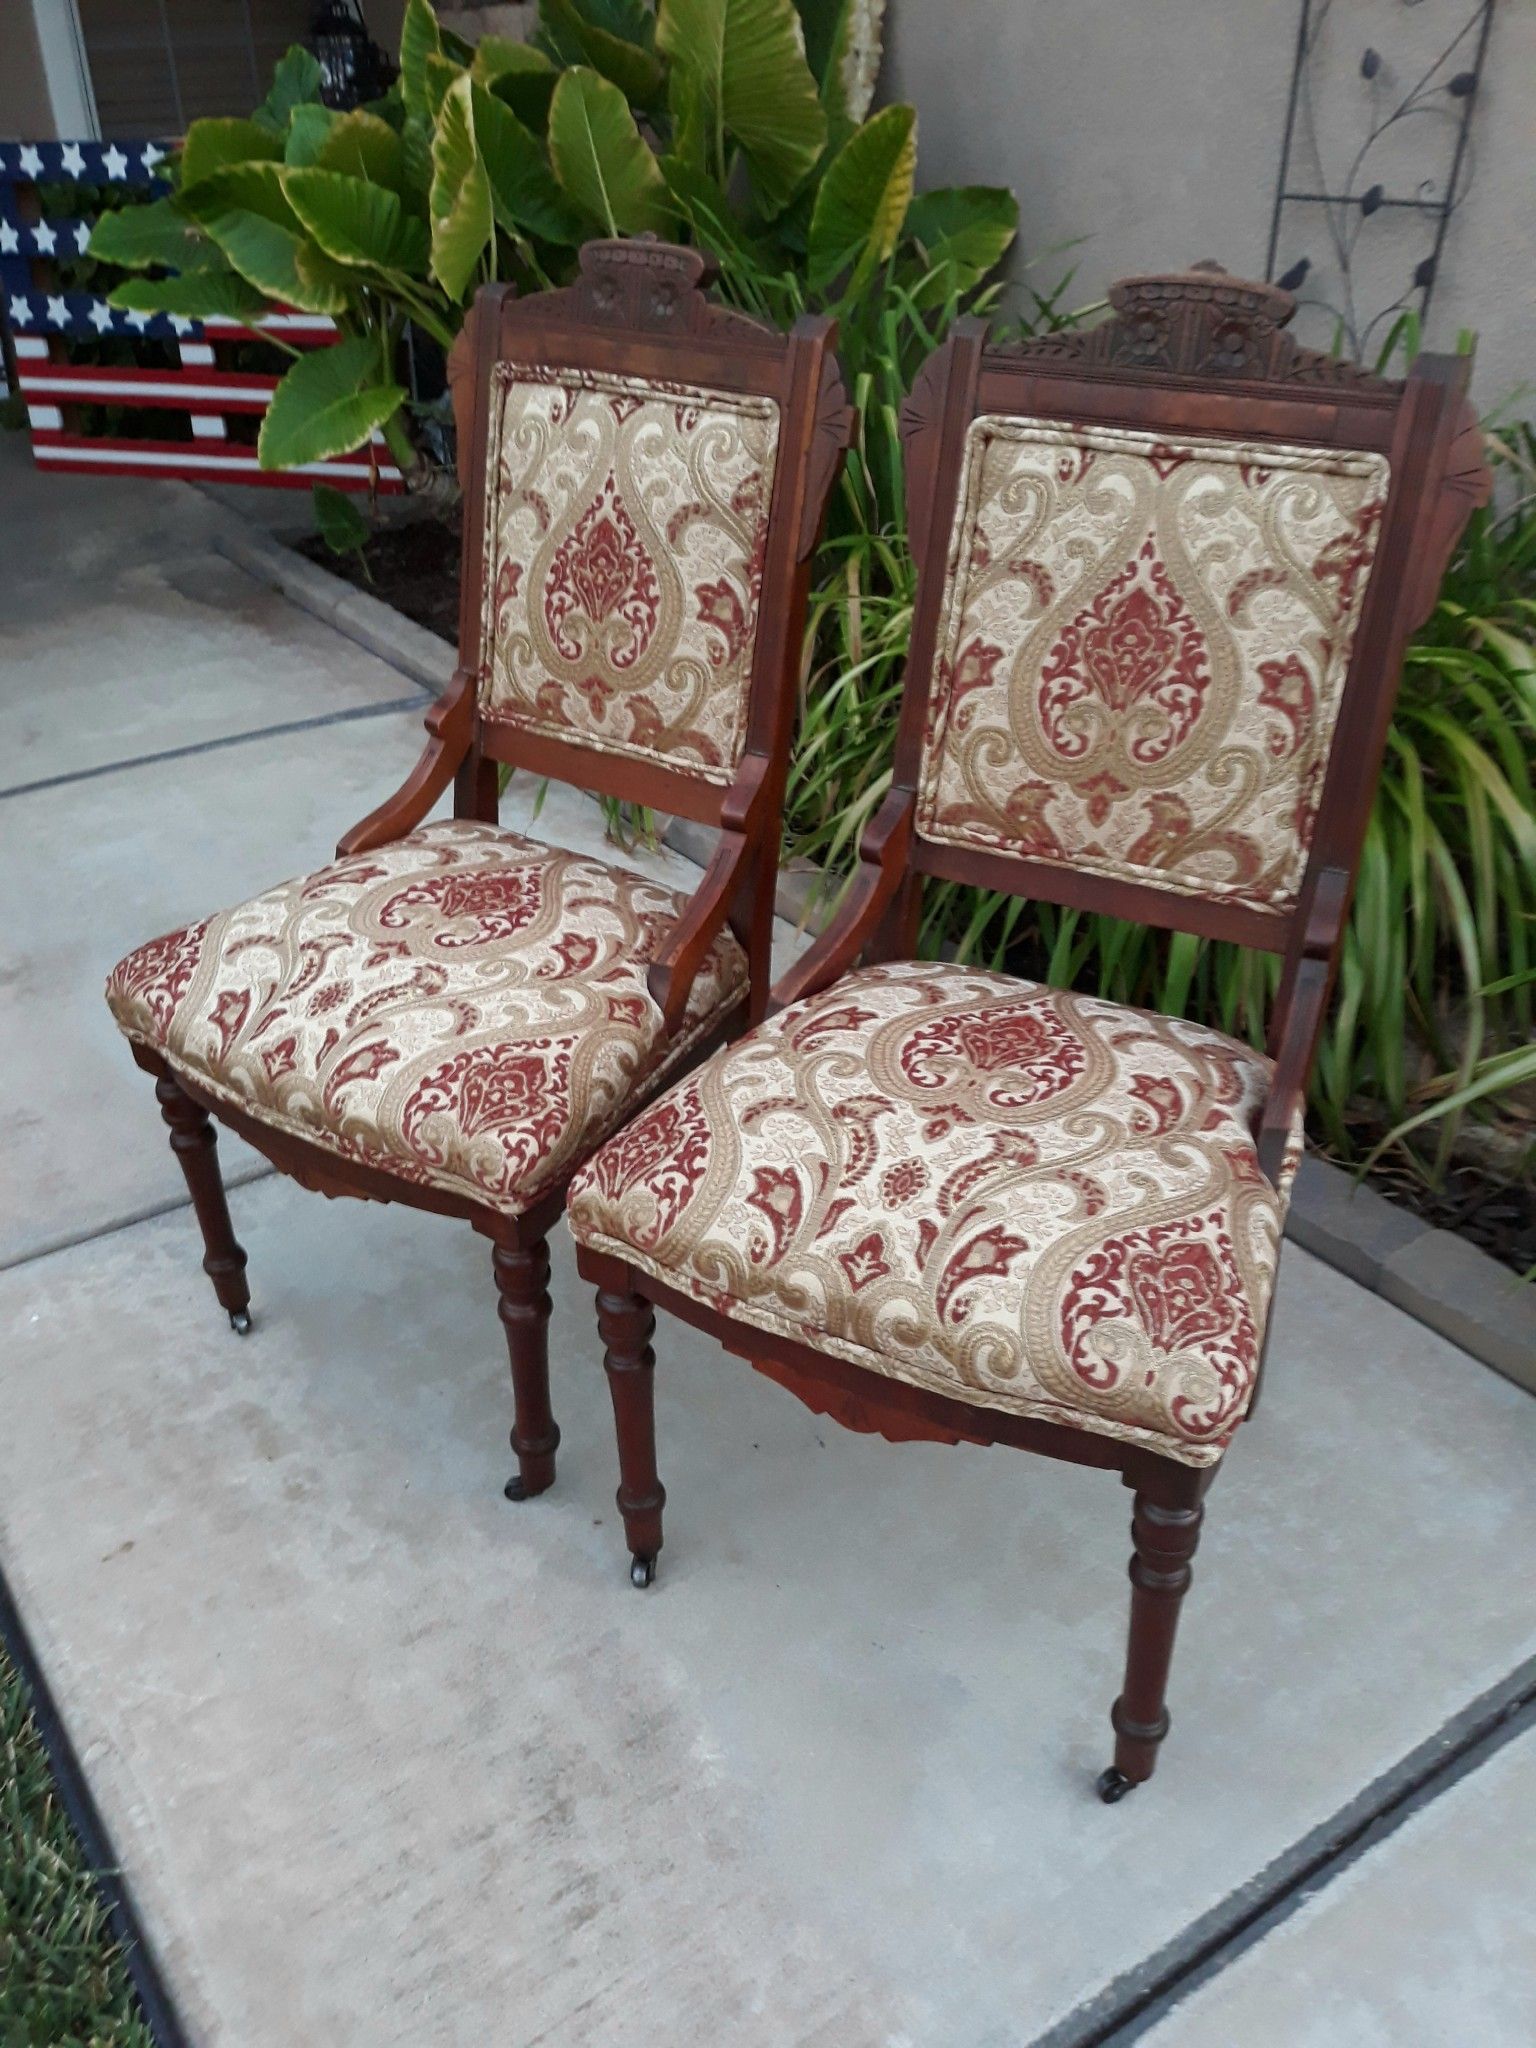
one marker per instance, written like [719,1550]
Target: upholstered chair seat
[1025,1199]
[463,1008]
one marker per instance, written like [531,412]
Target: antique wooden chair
[1167,570]
[451,1015]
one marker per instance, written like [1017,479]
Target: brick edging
[1431,1274]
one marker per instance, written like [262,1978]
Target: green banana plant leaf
[342,526]
[307,131]
[634,20]
[967,229]
[139,236]
[628,64]
[213,144]
[251,187]
[360,145]
[863,197]
[245,209]
[281,264]
[754,86]
[296,82]
[462,218]
[600,159]
[196,295]
[329,403]
[826,24]
[356,223]
[420,38]
[525,194]
[520,76]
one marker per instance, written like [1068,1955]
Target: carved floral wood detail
[1200,323]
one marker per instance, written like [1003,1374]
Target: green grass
[63,1982]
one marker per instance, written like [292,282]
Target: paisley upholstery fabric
[625,527]
[464,1008]
[1143,650]
[1025,1199]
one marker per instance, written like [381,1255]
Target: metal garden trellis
[1444,89]
[42,316]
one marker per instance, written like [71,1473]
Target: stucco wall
[25,107]
[1153,131]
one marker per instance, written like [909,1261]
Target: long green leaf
[283,265]
[212,145]
[630,65]
[196,295]
[296,82]
[968,228]
[525,194]
[307,132]
[863,196]
[356,223]
[420,39]
[754,86]
[360,145]
[520,76]
[329,403]
[462,218]
[600,159]
[160,233]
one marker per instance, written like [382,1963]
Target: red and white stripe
[227,462]
[200,389]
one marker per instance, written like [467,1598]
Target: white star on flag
[73,161]
[21,312]
[151,156]
[44,237]
[182,324]
[58,312]
[10,241]
[82,235]
[115,161]
[101,316]
[31,162]
[139,321]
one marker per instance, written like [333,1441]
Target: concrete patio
[389,1760]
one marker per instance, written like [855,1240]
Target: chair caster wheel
[641,1571]
[240,1321]
[514,1488]
[1113,1785]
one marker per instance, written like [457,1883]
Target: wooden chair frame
[638,308]
[1200,354]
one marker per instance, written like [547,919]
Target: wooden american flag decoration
[39,315]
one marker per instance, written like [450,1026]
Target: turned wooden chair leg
[1165,1534]
[522,1282]
[195,1142]
[626,1322]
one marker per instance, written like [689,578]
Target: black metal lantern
[352,66]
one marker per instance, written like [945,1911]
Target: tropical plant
[740,124]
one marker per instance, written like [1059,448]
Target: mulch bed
[414,566]
[1498,1217]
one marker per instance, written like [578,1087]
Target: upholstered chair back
[1142,653]
[1167,570]
[625,524]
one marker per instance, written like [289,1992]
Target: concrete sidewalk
[389,1760]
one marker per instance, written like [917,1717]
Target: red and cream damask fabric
[465,1009]
[1143,649]
[1030,1200]
[625,526]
